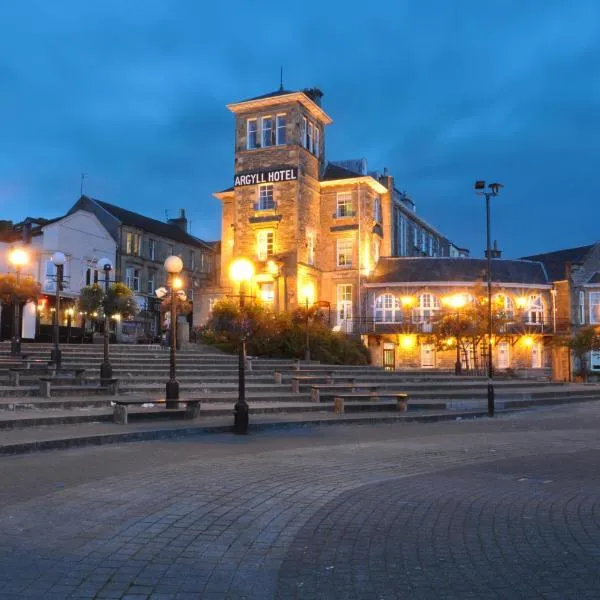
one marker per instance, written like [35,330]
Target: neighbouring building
[142,245]
[575,273]
[314,230]
[410,300]
[83,239]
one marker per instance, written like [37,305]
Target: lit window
[281,131]
[264,243]
[344,303]
[304,132]
[388,309]
[535,310]
[504,306]
[252,134]
[267,131]
[344,204]
[344,252]
[317,141]
[310,248]
[310,137]
[594,298]
[267,292]
[265,197]
[428,308]
[134,244]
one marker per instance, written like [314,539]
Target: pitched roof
[279,92]
[468,270]
[555,262]
[168,230]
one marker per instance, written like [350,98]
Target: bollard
[338,405]
[240,417]
[278,377]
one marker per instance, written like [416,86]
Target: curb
[160,434]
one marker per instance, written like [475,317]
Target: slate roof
[274,94]
[555,262]
[426,269]
[132,219]
[333,172]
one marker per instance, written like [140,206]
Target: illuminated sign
[270,176]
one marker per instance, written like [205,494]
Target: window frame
[429,306]
[151,283]
[268,205]
[255,132]
[263,132]
[317,140]
[280,128]
[387,308]
[581,307]
[377,209]
[264,248]
[340,213]
[304,132]
[311,141]
[152,249]
[348,255]
[535,310]
[592,304]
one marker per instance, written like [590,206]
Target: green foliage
[587,339]
[279,335]
[11,291]
[90,299]
[120,300]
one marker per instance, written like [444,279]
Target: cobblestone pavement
[508,508]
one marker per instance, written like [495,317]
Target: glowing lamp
[173,265]
[407,300]
[521,301]
[407,342]
[177,283]
[241,270]
[18,258]
[308,293]
[528,341]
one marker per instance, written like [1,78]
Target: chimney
[315,94]
[26,232]
[494,252]
[180,221]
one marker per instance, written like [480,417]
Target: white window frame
[429,307]
[250,146]
[264,247]
[387,309]
[192,260]
[377,209]
[281,130]
[310,137]
[133,243]
[344,253]
[132,279]
[344,205]
[507,307]
[152,249]
[581,308]
[310,248]
[304,132]
[344,304]
[593,301]
[269,137]
[150,283]
[535,310]
[317,141]
[265,199]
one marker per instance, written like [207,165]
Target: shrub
[278,335]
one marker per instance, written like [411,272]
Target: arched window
[427,309]
[387,309]
[503,305]
[535,310]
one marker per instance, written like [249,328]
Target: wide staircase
[272,386]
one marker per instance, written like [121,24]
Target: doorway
[536,356]
[389,356]
[427,356]
[503,355]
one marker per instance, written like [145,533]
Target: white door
[536,356]
[427,355]
[502,355]
[344,307]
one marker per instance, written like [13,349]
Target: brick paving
[507,508]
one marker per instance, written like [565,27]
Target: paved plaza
[503,508]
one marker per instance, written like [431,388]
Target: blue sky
[441,93]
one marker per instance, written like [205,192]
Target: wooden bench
[278,375]
[339,400]
[316,390]
[298,380]
[122,404]
[15,373]
[110,385]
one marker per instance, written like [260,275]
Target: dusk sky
[441,93]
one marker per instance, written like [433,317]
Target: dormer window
[281,123]
[252,134]
[267,131]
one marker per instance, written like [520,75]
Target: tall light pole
[241,272]
[494,190]
[105,366]
[17,258]
[59,259]
[173,266]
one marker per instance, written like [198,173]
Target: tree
[583,342]
[120,300]
[10,292]
[90,299]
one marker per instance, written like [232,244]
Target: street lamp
[494,190]
[241,271]
[17,258]
[173,266]
[105,366]
[59,259]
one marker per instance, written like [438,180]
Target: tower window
[317,141]
[252,134]
[264,243]
[267,131]
[304,132]
[310,137]
[281,131]
[265,197]
[344,252]
[344,204]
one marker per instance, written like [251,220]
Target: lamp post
[105,366]
[58,258]
[173,266]
[494,190]
[241,271]
[17,258]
